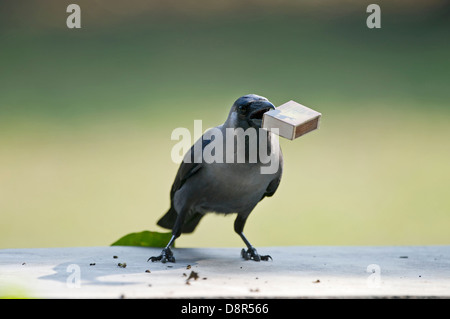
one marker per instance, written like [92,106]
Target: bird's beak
[260,107]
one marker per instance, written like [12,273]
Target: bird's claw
[251,253]
[166,256]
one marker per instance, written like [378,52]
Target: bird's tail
[169,218]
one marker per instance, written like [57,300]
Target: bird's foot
[166,256]
[251,253]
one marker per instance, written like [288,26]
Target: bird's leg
[251,252]
[166,253]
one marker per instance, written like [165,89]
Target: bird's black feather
[185,171]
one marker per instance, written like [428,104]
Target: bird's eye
[244,107]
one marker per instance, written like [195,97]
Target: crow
[226,186]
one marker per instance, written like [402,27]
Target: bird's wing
[187,168]
[273,185]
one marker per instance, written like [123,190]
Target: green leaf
[144,239]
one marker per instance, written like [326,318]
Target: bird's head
[248,110]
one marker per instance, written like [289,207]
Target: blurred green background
[86,117]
